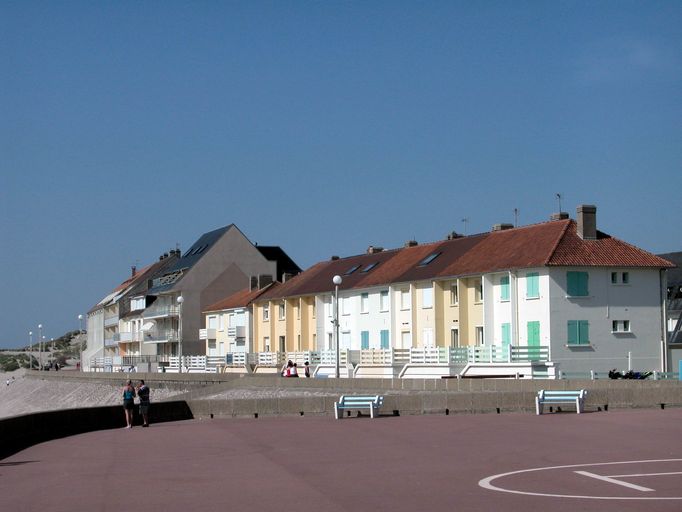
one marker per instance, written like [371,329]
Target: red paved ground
[413,463]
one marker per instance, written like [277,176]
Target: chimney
[286,276]
[502,227]
[253,283]
[264,280]
[373,250]
[587,221]
[133,271]
[559,216]
[334,258]
[453,234]
[411,243]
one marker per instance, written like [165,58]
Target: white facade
[623,320]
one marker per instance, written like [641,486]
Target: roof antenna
[558,197]
[516,217]
[465,220]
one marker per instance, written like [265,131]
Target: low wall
[20,432]
[487,396]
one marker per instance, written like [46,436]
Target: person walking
[143,393]
[129,402]
[307,369]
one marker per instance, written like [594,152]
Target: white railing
[160,311]
[207,334]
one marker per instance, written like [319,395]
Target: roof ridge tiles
[558,241]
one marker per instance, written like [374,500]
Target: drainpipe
[664,315]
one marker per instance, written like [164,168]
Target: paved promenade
[604,461]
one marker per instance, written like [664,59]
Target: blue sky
[322,127]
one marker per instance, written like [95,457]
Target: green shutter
[504,292]
[533,334]
[364,338]
[533,285]
[572,332]
[577,284]
[506,334]
[583,332]
[384,339]
[583,276]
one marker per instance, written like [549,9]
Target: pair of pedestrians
[129,393]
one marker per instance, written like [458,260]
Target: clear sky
[323,127]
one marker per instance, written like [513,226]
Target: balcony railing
[128,337]
[207,334]
[109,321]
[160,336]
[160,311]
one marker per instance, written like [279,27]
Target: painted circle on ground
[486,483]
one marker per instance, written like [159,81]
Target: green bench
[356,402]
[560,397]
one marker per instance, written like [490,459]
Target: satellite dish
[148,326]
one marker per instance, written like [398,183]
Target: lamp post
[43,347]
[30,349]
[80,341]
[40,347]
[181,299]
[337,281]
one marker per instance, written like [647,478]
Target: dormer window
[370,266]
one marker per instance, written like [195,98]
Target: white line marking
[647,474]
[614,481]
[486,482]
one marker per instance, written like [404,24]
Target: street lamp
[30,349]
[43,346]
[40,347]
[337,281]
[80,341]
[181,299]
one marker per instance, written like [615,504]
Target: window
[479,291]
[454,294]
[364,303]
[620,277]
[533,285]
[314,306]
[364,340]
[370,266]
[266,343]
[282,311]
[221,322]
[345,305]
[428,259]
[427,298]
[578,332]
[454,338]
[385,343]
[298,309]
[383,300]
[576,284]
[620,326]
[506,334]
[427,337]
[479,335]
[405,299]
[266,313]
[406,339]
[504,288]
[282,344]
[351,270]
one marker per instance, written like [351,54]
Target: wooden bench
[560,397]
[347,402]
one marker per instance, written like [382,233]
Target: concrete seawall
[207,396]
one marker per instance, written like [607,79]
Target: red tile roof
[553,243]
[241,299]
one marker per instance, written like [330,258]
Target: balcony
[236,332]
[110,321]
[110,342]
[167,336]
[162,311]
[207,334]
[128,337]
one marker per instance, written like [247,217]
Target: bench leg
[371,412]
[336,410]
[578,405]
[538,406]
